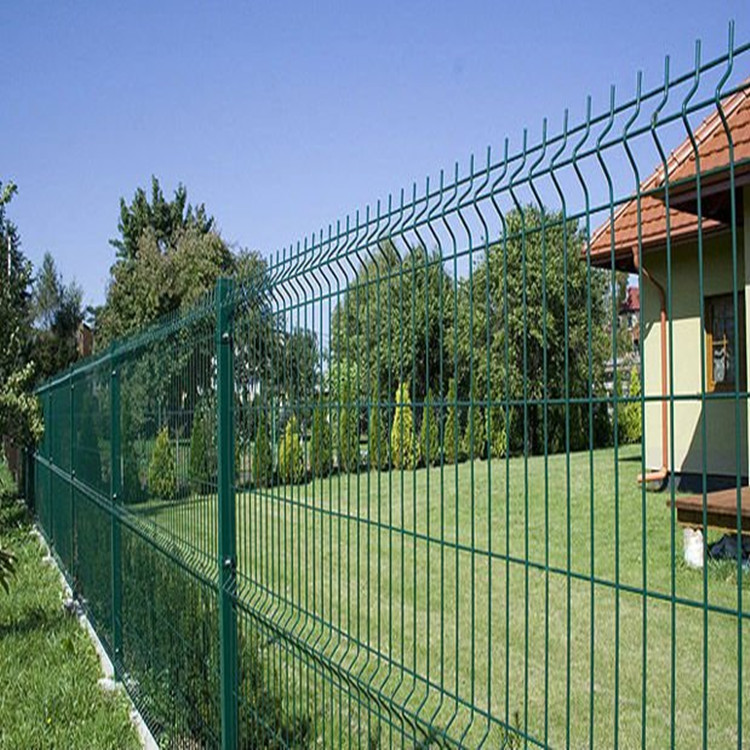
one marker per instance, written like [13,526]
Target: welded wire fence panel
[451,471]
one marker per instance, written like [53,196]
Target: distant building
[84,341]
[629,312]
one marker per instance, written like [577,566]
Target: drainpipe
[660,474]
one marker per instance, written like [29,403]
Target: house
[84,341]
[630,313]
[701,374]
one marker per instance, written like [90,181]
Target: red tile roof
[712,144]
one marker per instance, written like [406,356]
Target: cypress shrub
[348,432]
[162,476]
[291,464]
[403,451]
[629,417]
[474,441]
[429,435]
[377,438]
[452,436]
[200,474]
[262,465]
[321,449]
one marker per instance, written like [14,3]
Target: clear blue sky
[283,117]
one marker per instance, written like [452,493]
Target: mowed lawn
[49,696]
[547,594]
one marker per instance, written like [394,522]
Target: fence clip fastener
[226,338]
[230,563]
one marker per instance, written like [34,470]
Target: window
[720,325]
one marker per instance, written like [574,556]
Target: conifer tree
[403,453]
[291,463]
[262,463]
[162,475]
[377,436]
[429,434]
[451,435]
[321,458]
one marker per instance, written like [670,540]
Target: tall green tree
[20,415]
[57,310]
[395,317]
[166,219]
[529,274]
[168,255]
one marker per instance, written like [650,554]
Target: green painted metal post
[227,539]
[115,490]
[73,562]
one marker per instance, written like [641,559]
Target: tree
[168,256]
[162,476]
[377,436]
[530,273]
[395,317]
[165,218]
[20,414]
[451,433]
[429,434]
[200,474]
[629,418]
[321,452]
[474,441]
[57,310]
[498,433]
[291,460]
[262,463]
[348,430]
[403,453]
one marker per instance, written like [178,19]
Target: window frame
[709,301]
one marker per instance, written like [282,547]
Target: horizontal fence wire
[396,487]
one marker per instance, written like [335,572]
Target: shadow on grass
[33,619]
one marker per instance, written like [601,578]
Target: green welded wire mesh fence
[386,489]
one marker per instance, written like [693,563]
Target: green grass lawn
[49,697]
[550,596]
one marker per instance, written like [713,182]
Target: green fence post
[115,489]
[227,540]
[73,562]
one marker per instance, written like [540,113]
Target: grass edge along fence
[385,492]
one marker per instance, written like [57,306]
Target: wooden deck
[721,510]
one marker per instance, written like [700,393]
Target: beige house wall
[720,418]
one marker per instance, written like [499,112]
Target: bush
[162,476]
[451,435]
[429,435]
[377,437]
[291,463]
[200,473]
[171,638]
[402,433]
[629,417]
[321,449]
[262,467]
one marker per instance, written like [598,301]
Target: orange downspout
[660,474]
